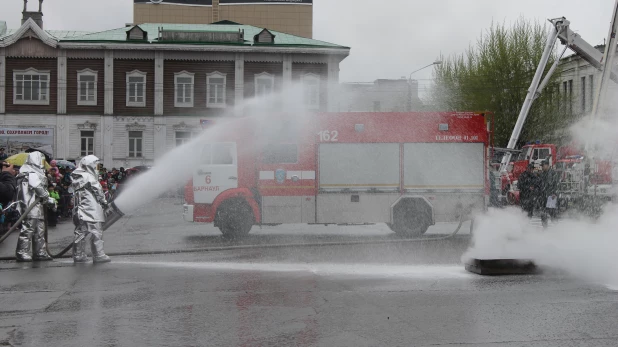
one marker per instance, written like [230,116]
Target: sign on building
[18,140]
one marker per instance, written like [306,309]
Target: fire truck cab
[409,170]
[529,154]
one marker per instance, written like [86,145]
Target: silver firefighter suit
[32,186]
[89,201]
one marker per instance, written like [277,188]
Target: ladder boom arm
[570,39]
[580,46]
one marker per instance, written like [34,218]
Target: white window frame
[87,72]
[83,152]
[264,76]
[31,72]
[209,104]
[184,74]
[311,77]
[136,73]
[184,140]
[141,139]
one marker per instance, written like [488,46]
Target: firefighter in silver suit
[88,213]
[32,189]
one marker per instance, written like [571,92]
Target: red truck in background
[571,165]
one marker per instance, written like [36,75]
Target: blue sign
[280,175]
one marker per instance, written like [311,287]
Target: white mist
[176,167]
[584,248]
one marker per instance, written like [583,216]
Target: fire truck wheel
[411,217]
[235,218]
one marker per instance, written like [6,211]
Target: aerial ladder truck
[585,193]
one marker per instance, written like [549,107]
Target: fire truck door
[539,154]
[217,172]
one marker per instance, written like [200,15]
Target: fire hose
[21,218]
[113,214]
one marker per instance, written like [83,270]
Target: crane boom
[608,59]
[561,30]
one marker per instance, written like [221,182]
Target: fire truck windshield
[222,154]
[218,154]
[521,156]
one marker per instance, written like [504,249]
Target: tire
[410,221]
[235,218]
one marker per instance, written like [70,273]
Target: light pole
[437,62]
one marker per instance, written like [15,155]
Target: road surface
[393,294]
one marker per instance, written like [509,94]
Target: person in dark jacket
[549,181]
[3,155]
[8,184]
[528,185]
[52,218]
[8,187]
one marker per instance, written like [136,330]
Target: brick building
[130,94]
[290,16]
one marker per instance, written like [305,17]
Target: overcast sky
[389,38]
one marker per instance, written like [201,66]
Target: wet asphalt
[393,294]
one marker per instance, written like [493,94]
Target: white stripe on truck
[307,175]
[267,175]
[303,175]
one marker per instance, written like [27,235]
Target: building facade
[289,16]
[130,94]
[579,82]
[382,95]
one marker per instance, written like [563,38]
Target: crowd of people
[538,191]
[60,187]
[78,192]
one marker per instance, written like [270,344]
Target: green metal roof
[120,35]
[63,34]
[57,34]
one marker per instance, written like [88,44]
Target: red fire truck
[570,163]
[409,170]
[529,154]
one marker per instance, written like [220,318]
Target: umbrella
[65,163]
[20,158]
[48,155]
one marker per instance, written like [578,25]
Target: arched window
[87,87]
[183,89]
[264,84]
[311,91]
[136,89]
[215,90]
